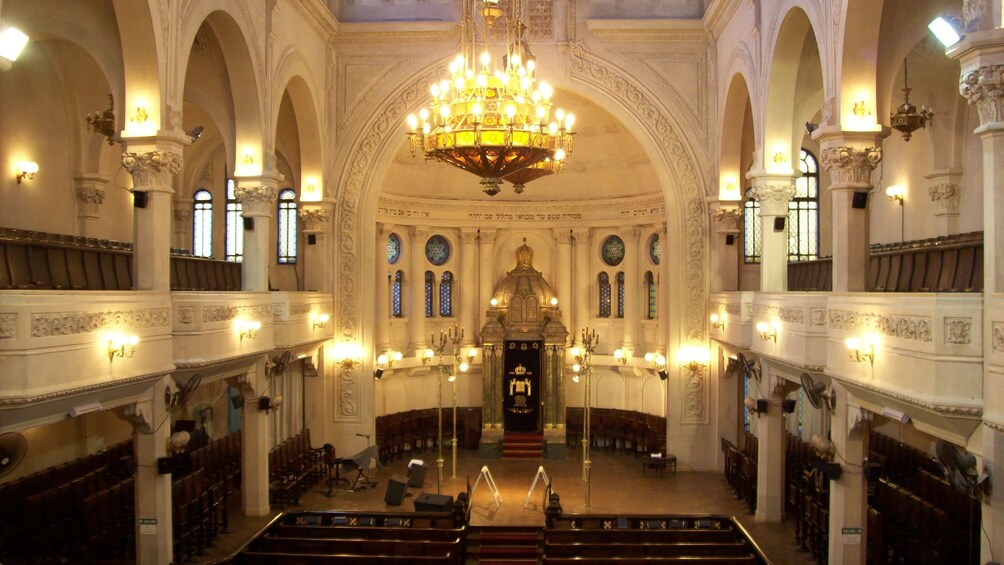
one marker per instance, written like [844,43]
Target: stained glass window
[437,250]
[604,283]
[393,248]
[620,294]
[430,281]
[655,249]
[446,294]
[202,224]
[613,250]
[235,226]
[287,226]
[653,292]
[395,294]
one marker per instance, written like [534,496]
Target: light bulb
[423,114]
[569,120]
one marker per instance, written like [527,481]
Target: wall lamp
[860,351]
[896,193]
[388,359]
[620,356]
[768,332]
[26,170]
[758,406]
[425,355]
[103,121]
[718,321]
[248,328]
[318,320]
[12,42]
[693,359]
[121,345]
[945,30]
[658,361]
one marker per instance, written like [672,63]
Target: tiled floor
[618,486]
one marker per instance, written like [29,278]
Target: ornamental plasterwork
[72,323]
[790,315]
[186,314]
[850,165]
[694,403]
[944,409]
[984,88]
[915,328]
[279,309]
[958,331]
[776,192]
[152,168]
[973,12]
[7,323]
[91,193]
[227,313]
[305,308]
[997,332]
[945,195]
[398,208]
[256,200]
[315,219]
[732,309]
[817,316]
[729,219]
[994,426]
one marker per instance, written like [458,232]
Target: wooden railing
[31,260]
[943,264]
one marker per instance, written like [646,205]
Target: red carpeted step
[506,544]
[523,446]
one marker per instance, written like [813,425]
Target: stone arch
[858,71]
[737,107]
[294,77]
[138,32]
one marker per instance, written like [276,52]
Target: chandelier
[907,119]
[491,117]
[539,169]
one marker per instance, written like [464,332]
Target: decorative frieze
[301,308]
[348,394]
[997,331]
[226,313]
[315,219]
[732,309]
[958,331]
[817,316]
[8,323]
[73,323]
[914,328]
[186,315]
[152,168]
[850,166]
[945,197]
[773,192]
[984,88]
[695,400]
[790,315]
[256,201]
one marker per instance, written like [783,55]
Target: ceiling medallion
[491,118]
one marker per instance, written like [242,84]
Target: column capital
[983,87]
[729,217]
[418,231]
[315,218]
[90,192]
[487,236]
[850,167]
[152,170]
[581,234]
[945,189]
[256,200]
[468,235]
[563,236]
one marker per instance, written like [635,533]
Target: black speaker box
[311,239]
[140,199]
[396,487]
[859,200]
[416,475]
[248,224]
[426,502]
[730,239]
[779,223]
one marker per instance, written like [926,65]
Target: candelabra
[584,363]
[454,335]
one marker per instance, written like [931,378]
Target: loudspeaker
[859,201]
[396,487]
[779,223]
[788,404]
[237,401]
[311,239]
[426,502]
[416,475]
[248,224]
[140,199]
[730,239]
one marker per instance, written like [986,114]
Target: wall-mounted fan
[185,391]
[748,367]
[733,367]
[816,393]
[279,364]
[12,450]
[960,469]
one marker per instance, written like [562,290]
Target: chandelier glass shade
[907,119]
[492,117]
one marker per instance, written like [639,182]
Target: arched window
[395,294]
[202,224]
[287,226]
[446,295]
[235,226]
[746,394]
[430,281]
[653,292]
[620,294]
[604,283]
[393,248]
[751,229]
[803,211]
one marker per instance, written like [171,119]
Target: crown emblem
[520,369]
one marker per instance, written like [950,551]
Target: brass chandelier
[907,119]
[491,117]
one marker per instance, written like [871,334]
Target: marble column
[849,494]
[257,196]
[486,272]
[467,285]
[944,186]
[727,217]
[182,225]
[254,443]
[662,296]
[563,274]
[581,284]
[632,286]
[771,442]
[773,192]
[849,158]
[318,271]
[382,274]
[416,316]
[152,166]
[90,192]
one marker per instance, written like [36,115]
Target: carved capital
[984,88]
[850,166]
[135,415]
[90,197]
[256,200]
[468,235]
[418,233]
[945,197]
[974,14]
[729,219]
[152,168]
[315,219]
[562,236]
[486,236]
[773,192]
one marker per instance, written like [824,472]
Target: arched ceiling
[607,161]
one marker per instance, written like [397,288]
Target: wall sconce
[896,193]
[248,160]
[860,351]
[554,301]
[318,320]
[758,406]
[493,302]
[860,110]
[248,328]
[693,359]
[26,170]
[388,359]
[12,42]
[620,356]
[657,359]
[426,356]
[718,321]
[121,345]
[768,332]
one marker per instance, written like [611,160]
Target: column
[416,316]
[563,274]
[151,436]
[726,216]
[944,186]
[770,457]
[257,198]
[849,494]
[467,285]
[90,196]
[152,166]
[486,272]
[773,192]
[849,158]
[318,271]
[382,274]
[632,319]
[182,225]
[981,57]
[662,296]
[254,443]
[580,284]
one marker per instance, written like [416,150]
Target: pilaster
[849,493]
[726,217]
[563,239]
[317,265]
[254,443]
[90,193]
[486,272]
[416,317]
[632,303]
[581,284]
[382,275]
[468,292]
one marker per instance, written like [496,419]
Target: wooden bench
[272,558]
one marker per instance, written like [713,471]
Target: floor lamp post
[584,366]
[454,335]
